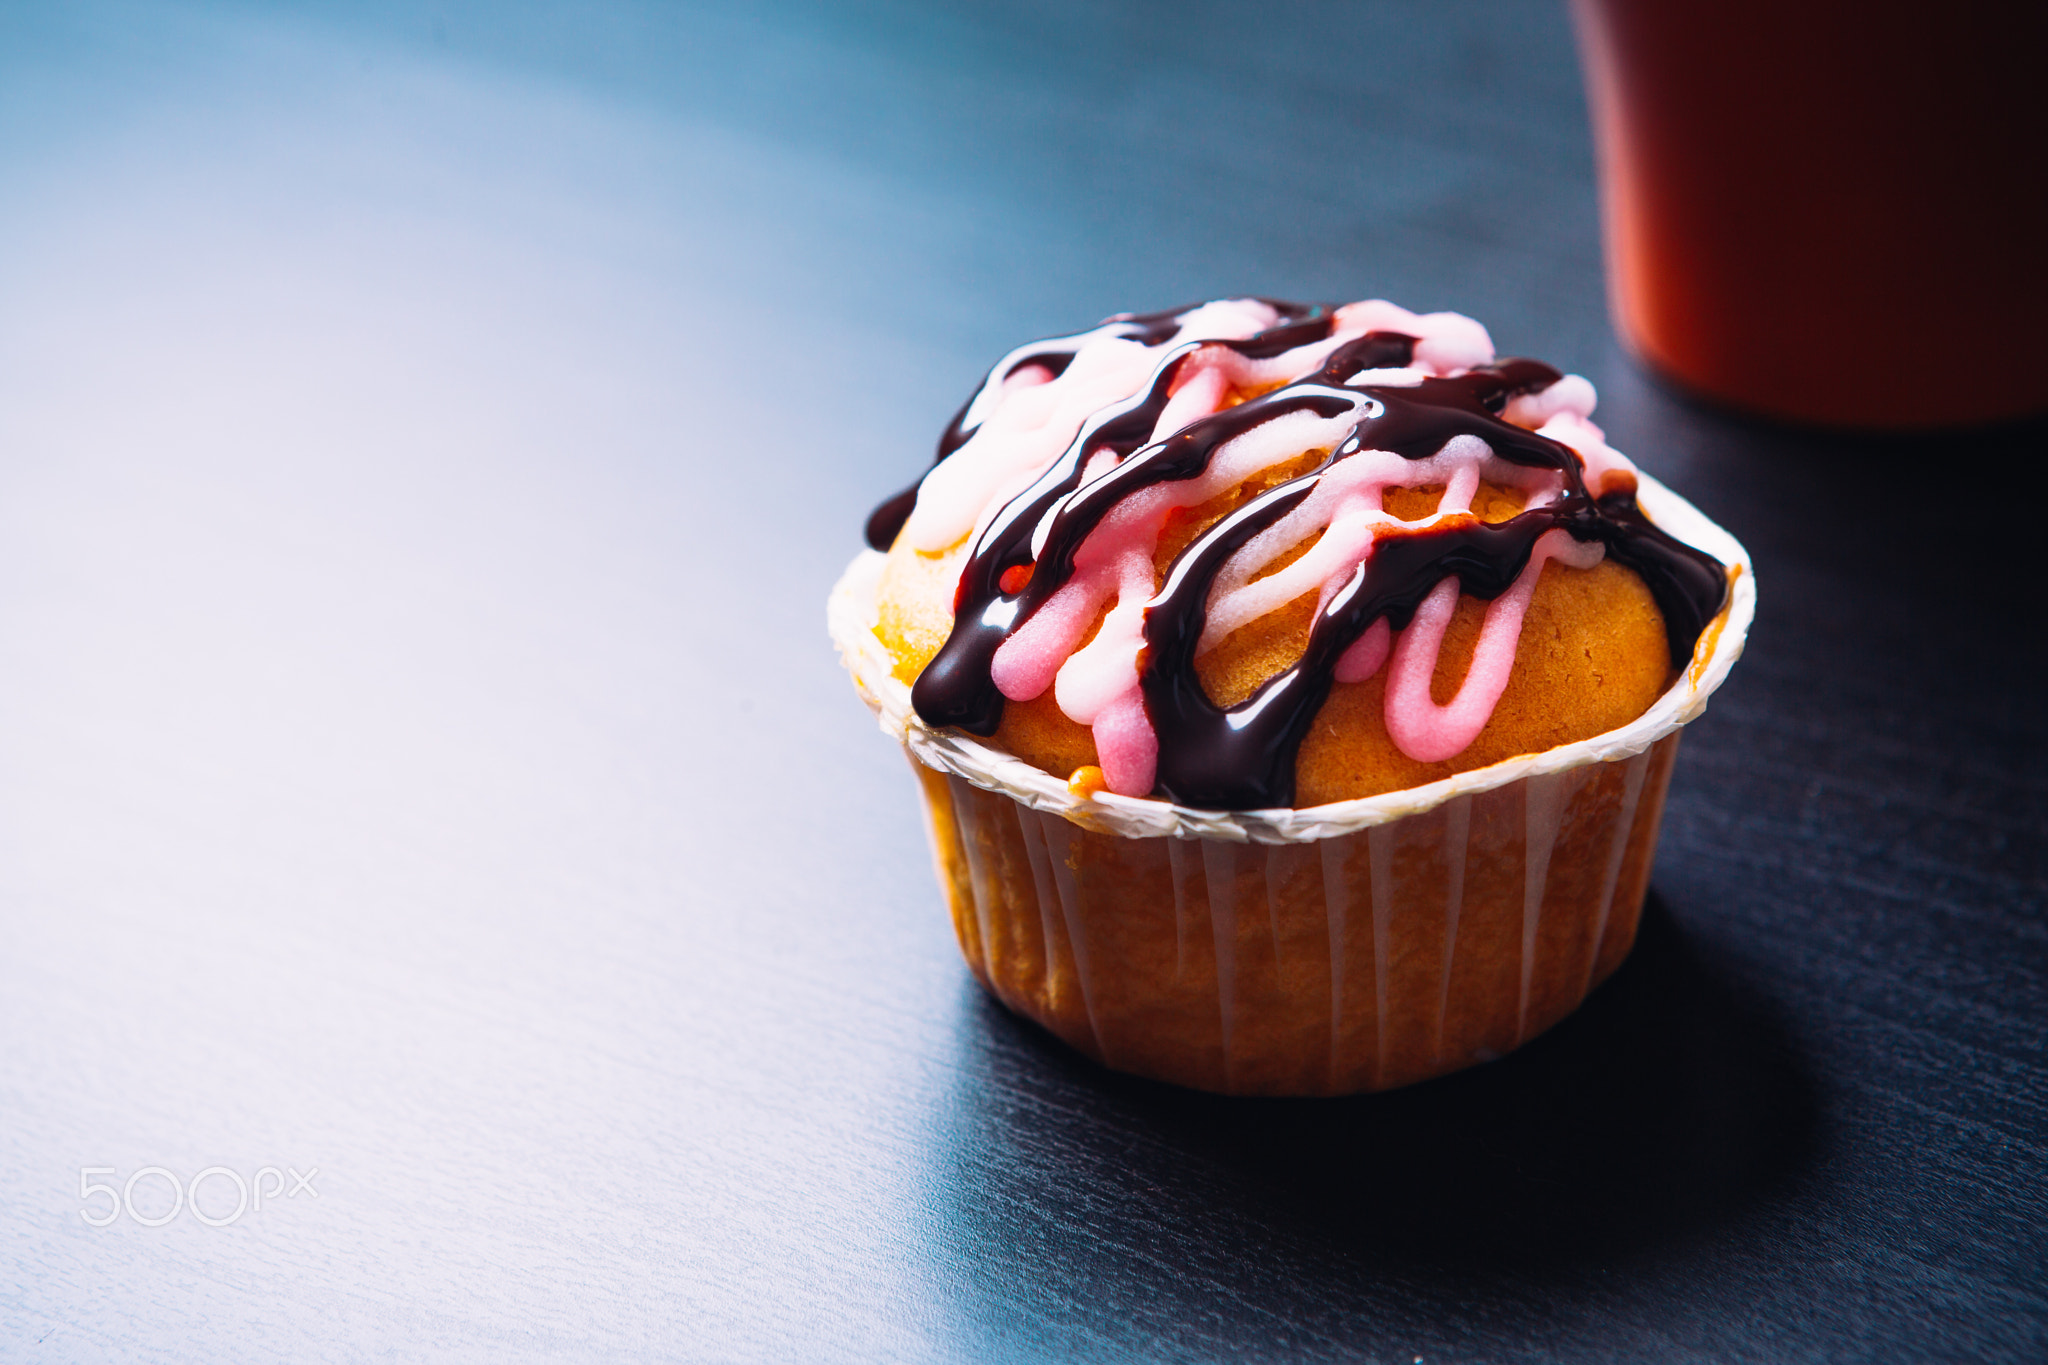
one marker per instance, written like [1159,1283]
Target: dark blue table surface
[427,434]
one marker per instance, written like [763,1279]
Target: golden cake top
[1064,468]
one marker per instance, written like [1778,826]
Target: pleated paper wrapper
[1355,946]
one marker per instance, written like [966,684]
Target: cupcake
[1292,689]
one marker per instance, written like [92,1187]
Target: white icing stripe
[1029,429]
[1346,509]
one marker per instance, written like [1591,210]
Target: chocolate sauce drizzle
[1243,757]
[1301,323]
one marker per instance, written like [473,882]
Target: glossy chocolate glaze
[1301,323]
[1243,757]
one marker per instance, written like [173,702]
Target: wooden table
[426,439]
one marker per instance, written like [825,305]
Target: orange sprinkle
[1086,781]
[1014,579]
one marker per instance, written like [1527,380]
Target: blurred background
[427,434]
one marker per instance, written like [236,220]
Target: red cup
[1826,211]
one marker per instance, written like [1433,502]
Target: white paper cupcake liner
[1359,962]
[1348,947]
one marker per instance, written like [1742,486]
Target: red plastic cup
[1826,211]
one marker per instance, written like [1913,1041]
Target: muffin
[1292,688]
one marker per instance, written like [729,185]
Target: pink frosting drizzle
[1097,685]
[1427,732]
